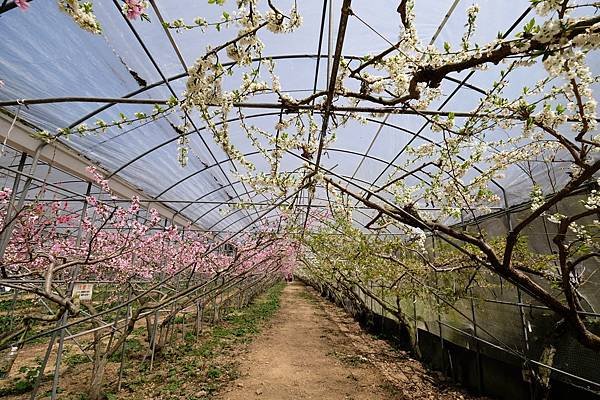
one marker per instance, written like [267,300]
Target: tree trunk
[149,327]
[95,390]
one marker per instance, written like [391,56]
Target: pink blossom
[5,194]
[134,8]
[22,4]
[99,179]
[118,246]
[63,219]
[56,248]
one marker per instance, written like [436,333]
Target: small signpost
[84,291]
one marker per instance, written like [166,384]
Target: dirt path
[295,360]
[313,350]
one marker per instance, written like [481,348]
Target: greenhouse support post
[65,316]
[439,321]
[201,304]
[416,323]
[371,297]
[173,322]
[42,367]
[153,341]
[214,300]
[474,336]
[11,201]
[123,346]
[59,351]
[222,307]
[519,296]
[8,229]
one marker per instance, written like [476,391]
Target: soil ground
[285,345]
[314,350]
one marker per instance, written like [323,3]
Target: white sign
[83,291]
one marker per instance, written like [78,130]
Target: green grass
[239,326]
[246,322]
[214,373]
[76,359]
[205,362]
[307,296]
[132,346]
[9,304]
[19,386]
[23,384]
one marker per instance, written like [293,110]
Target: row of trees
[50,247]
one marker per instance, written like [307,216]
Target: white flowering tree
[553,122]
[550,122]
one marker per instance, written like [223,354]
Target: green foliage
[132,345]
[9,304]
[31,374]
[23,384]
[345,256]
[76,359]
[204,361]
[213,373]
[20,386]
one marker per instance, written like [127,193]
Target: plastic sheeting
[44,54]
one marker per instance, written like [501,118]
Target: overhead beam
[67,160]
[400,110]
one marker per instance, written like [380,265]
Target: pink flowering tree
[49,242]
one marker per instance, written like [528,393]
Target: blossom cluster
[134,8]
[82,13]
[119,243]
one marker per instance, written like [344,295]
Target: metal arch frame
[196,129]
[258,115]
[226,216]
[149,151]
[164,78]
[454,92]
[167,80]
[204,195]
[229,215]
[156,147]
[255,152]
[219,204]
[228,64]
[267,217]
[252,153]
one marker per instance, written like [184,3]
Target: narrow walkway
[313,350]
[295,359]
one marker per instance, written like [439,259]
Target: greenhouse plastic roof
[44,54]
